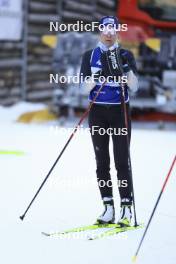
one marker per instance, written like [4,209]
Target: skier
[107,113]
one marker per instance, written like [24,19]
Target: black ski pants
[104,117]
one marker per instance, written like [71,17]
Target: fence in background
[25,65]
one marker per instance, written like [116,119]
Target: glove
[90,82]
[132,81]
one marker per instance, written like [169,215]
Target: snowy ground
[71,198]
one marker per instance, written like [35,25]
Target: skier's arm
[132,79]
[131,62]
[85,65]
[87,81]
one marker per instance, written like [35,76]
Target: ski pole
[126,126]
[62,151]
[152,214]
[129,156]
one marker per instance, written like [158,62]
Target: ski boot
[108,215]
[125,213]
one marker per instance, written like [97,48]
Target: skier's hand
[90,82]
[132,81]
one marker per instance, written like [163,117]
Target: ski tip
[134,258]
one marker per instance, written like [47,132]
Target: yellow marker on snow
[11,152]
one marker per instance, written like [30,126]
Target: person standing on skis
[106,112]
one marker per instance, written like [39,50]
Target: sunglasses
[108,30]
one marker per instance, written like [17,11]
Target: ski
[114,231]
[81,229]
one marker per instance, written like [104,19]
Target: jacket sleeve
[132,80]
[85,65]
[128,57]
[132,62]
[87,81]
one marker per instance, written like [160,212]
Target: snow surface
[71,198]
